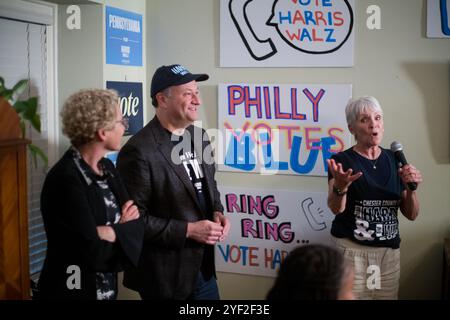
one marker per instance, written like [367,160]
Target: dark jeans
[205,289]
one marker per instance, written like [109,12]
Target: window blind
[23,55]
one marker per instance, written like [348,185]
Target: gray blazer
[169,264]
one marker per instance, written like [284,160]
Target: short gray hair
[355,107]
[87,111]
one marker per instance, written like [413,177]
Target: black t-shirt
[190,160]
[370,215]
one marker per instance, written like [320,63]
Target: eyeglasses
[124,122]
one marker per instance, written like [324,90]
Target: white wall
[80,63]
[407,72]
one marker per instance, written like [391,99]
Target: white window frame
[43,13]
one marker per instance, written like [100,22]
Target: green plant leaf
[20,87]
[31,108]
[36,122]
[20,106]
[27,110]
[31,113]
[36,151]
[7,94]
[2,86]
[33,155]
[22,127]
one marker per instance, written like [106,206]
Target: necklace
[373,162]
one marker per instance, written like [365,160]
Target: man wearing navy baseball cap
[174,75]
[170,176]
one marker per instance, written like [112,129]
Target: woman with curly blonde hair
[93,228]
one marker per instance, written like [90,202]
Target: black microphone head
[396,146]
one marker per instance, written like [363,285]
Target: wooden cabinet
[14,266]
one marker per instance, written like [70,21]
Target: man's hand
[204,231]
[224,222]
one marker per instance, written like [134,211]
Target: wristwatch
[339,192]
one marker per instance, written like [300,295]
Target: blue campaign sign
[112,156]
[131,103]
[123,37]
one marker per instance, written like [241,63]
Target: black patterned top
[106,282]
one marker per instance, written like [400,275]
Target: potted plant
[27,111]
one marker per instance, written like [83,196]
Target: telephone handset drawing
[444,17]
[315,224]
[258,49]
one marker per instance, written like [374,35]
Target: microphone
[397,149]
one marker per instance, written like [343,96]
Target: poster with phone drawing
[438,18]
[286,33]
[267,225]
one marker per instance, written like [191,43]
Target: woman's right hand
[106,233]
[129,212]
[342,179]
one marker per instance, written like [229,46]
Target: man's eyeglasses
[124,122]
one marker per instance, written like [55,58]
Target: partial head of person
[365,120]
[175,95]
[93,115]
[313,272]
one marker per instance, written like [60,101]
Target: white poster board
[267,225]
[281,128]
[286,33]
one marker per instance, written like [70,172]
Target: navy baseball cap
[173,75]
